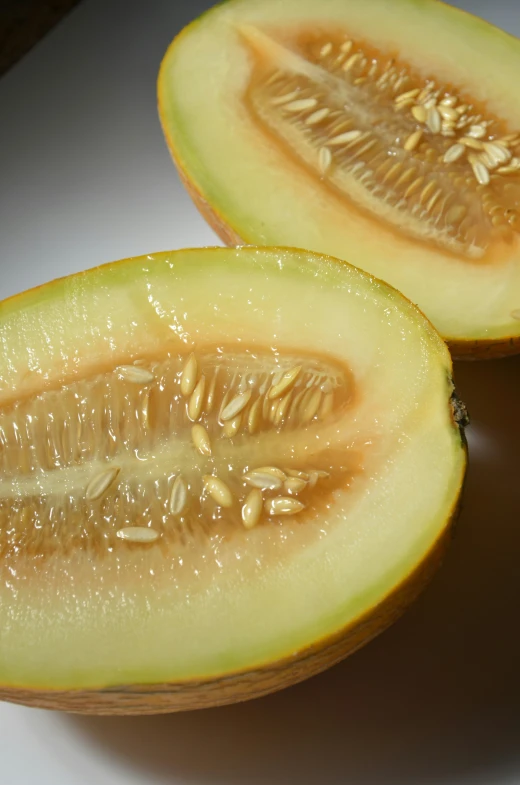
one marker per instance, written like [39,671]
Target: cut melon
[220,472]
[383,133]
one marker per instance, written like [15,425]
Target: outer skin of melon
[48,323]
[229,213]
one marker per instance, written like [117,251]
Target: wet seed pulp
[144,454]
[415,154]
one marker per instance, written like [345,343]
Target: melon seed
[218,490]
[294,485]
[134,374]
[283,505]
[252,508]
[179,496]
[235,406]
[286,382]
[196,401]
[263,480]
[200,438]
[101,483]
[189,376]
[138,534]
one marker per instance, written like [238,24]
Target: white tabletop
[85,179]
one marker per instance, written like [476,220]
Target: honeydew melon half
[221,471]
[385,134]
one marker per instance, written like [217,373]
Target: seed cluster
[442,113]
[156,451]
[282,395]
[415,147]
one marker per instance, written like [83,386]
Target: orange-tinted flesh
[311,88]
[53,446]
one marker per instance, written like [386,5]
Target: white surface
[85,179]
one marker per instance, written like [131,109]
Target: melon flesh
[91,370]
[261,101]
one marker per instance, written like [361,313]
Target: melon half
[221,471]
[383,133]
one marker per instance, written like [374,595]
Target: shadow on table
[434,699]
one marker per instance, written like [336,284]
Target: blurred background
[85,178]
[24,22]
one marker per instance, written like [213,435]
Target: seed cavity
[138,534]
[252,508]
[99,484]
[218,490]
[134,449]
[178,496]
[399,146]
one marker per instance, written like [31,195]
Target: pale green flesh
[248,182]
[142,617]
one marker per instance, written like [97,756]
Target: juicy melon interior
[384,134]
[95,383]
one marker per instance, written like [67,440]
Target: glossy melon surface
[383,133]
[220,472]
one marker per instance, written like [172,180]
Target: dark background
[24,22]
